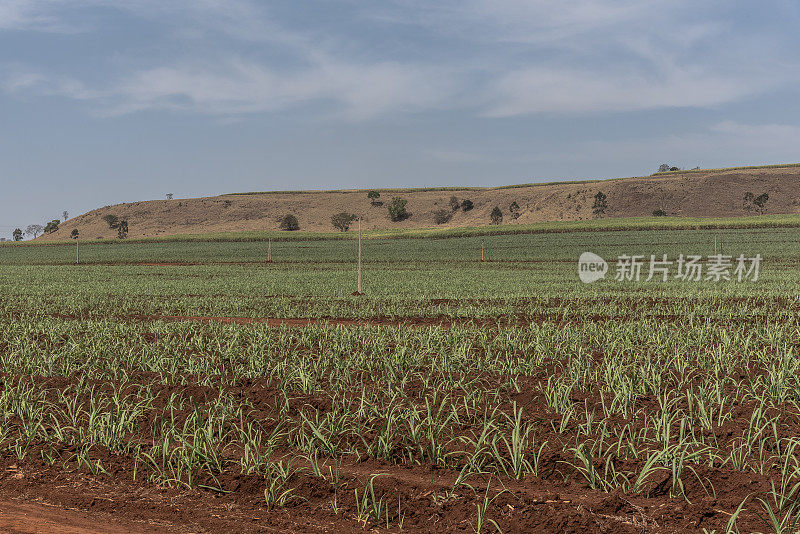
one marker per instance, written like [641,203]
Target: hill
[698,193]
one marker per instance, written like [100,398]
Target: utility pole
[359,255]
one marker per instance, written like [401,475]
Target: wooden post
[715,245]
[269,251]
[483,252]
[488,249]
[77,256]
[359,256]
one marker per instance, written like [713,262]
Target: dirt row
[440,321]
[444,321]
[37,499]
[556,501]
[42,518]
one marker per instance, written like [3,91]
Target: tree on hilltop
[52,226]
[34,230]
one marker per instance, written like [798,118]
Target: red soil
[557,501]
[37,518]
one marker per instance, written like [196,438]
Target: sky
[103,102]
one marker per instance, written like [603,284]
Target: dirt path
[36,518]
[309,321]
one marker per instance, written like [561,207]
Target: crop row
[640,408]
[770,243]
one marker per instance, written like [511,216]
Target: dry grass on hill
[714,193]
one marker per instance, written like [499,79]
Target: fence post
[359,255]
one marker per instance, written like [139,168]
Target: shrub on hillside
[289,223]
[748,201]
[397,209]
[454,203]
[761,202]
[52,226]
[600,204]
[122,229]
[341,221]
[111,220]
[496,216]
[373,197]
[442,216]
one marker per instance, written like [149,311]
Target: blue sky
[108,101]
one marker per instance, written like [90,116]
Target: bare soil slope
[712,193]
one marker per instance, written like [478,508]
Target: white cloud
[224,82]
[18,80]
[54,15]
[520,57]
[544,21]
[239,87]
[578,56]
[28,15]
[546,90]
[246,87]
[768,132]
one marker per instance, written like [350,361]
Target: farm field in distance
[191,386]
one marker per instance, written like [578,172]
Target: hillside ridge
[694,193]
